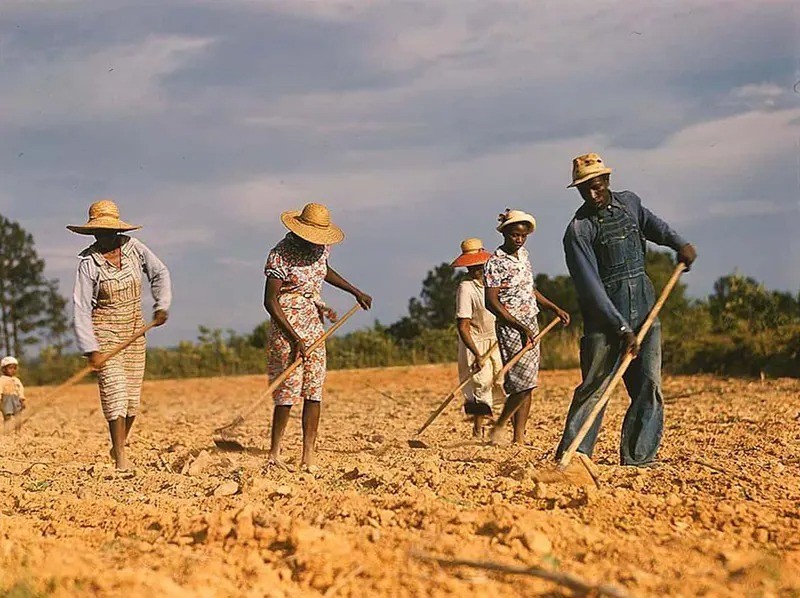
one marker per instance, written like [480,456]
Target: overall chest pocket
[619,244]
[120,287]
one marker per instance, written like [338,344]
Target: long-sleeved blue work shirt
[602,254]
[84,295]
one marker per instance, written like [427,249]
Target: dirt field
[720,517]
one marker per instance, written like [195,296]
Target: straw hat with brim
[103,215]
[472,254]
[313,223]
[586,167]
[513,217]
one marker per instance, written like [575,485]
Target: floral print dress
[302,268]
[513,275]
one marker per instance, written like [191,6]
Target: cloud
[720,160]
[761,96]
[116,82]
[416,122]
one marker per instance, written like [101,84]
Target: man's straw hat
[313,224]
[587,167]
[103,215]
[510,217]
[472,254]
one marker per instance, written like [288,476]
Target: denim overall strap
[620,250]
[620,245]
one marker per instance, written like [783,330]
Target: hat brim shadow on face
[329,235]
[531,225]
[589,177]
[468,260]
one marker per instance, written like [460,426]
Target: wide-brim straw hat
[510,217]
[587,166]
[313,223]
[472,254]
[103,215]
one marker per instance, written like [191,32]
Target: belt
[315,299]
[483,336]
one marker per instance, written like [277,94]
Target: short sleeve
[463,301]
[276,266]
[492,273]
[20,388]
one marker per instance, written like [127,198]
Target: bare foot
[309,468]
[307,460]
[494,436]
[274,461]
[123,464]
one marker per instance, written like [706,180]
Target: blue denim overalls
[620,251]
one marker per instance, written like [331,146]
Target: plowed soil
[720,517]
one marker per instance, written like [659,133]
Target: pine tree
[31,309]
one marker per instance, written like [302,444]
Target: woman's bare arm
[333,278]
[462,324]
[547,304]
[272,290]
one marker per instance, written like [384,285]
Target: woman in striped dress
[108,311]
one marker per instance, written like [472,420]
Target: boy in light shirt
[12,393]
[476,332]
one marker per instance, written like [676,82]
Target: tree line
[741,328]
[32,312]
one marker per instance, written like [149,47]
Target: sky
[417,123]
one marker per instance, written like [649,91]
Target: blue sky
[415,122]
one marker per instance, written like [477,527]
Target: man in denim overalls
[605,246]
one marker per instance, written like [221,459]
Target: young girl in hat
[478,354]
[12,393]
[296,268]
[108,311]
[512,297]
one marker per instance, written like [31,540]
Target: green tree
[679,314]
[561,291]
[259,337]
[55,323]
[434,308]
[741,303]
[659,266]
[31,309]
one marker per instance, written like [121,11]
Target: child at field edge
[12,393]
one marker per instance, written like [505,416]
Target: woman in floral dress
[512,297]
[296,268]
[108,311]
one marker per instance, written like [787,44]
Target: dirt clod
[228,488]
[717,518]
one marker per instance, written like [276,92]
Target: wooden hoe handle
[453,393]
[286,373]
[623,366]
[513,361]
[85,371]
[497,377]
